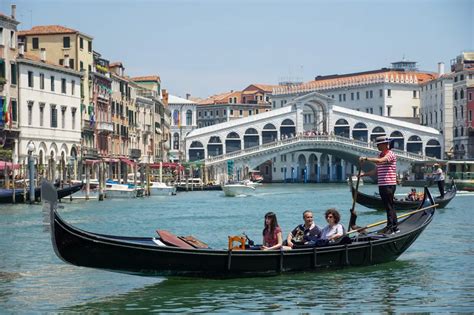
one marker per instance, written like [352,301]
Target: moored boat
[6,195]
[153,256]
[238,189]
[161,189]
[375,202]
[115,190]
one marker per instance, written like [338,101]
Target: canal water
[434,275]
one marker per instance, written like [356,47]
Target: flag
[10,120]
[1,111]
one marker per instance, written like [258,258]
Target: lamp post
[31,168]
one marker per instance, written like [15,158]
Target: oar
[385,221]
[352,221]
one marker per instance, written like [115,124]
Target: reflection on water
[431,276]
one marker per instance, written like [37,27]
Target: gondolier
[386,170]
[438,176]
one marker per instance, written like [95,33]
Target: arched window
[377,131]
[196,151]
[415,145]
[233,135]
[342,128]
[433,148]
[251,131]
[398,141]
[455,112]
[251,138]
[232,142]
[461,94]
[269,133]
[287,122]
[360,132]
[214,146]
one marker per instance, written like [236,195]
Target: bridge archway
[251,138]
[325,167]
[196,151]
[269,133]
[342,128]
[301,171]
[360,132]
[313,170]
[214,147]
[415,145]
[433,148]
[397,140]
[233,143]
[315,116]
[287,128]
[376,132]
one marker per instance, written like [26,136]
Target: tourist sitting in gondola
[304,233]
[272,234]
[412,195]
[334,230]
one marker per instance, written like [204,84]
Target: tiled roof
[389,76]
[115,64]
[222,98]
[153,78]
[48,29]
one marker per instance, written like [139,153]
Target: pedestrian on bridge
[386,171]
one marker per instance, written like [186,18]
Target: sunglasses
[329,216]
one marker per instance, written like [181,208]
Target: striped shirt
[387,171]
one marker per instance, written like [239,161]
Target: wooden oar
[385,221]
[352,220]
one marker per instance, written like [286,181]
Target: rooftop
[49,30]
[172,99]
[153,78]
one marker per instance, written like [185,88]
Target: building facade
[463,73]
[183,121]
[49,112]
[9,131]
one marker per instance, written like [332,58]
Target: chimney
[13,11]
[21,49]
[43,54]
[66,61]
[188,96]
[440,68]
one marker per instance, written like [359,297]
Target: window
[13,73]
[358,95]
[414,111]
[273,104]
[380,93]
[81,65]
[30,79]
[414,94]
[63,117]
[30,113]
[66,42]
[73,117]
[1,36]
[71,63]
[250,112]
[381,110]
[256,111]
[371,110]
[42,81]
[81,43]
[89,46]
[371,94]
[389,93]
[12,39]
[14,110]
[470,115]
[352,96]
[54,116]
[231,112]
[340,97]
[52,83]
[2,69]
[440,115]
[240,112]
[35,44]
[63,86]
[89,67]
[41,105]
[73,87]
[389,110]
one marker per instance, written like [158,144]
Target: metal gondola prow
[49,196]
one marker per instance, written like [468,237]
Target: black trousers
[441,187]
[387,194]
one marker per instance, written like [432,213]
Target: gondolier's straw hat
[381,139]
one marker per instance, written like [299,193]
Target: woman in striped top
[386,171]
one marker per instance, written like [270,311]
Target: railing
[315,138]
[105,126]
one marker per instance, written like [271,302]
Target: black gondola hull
[375,202]
[142,256]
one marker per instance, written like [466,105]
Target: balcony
[105,127]
[135,153]
[89,153]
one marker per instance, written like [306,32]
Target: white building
[436,107]
[49,110]
[386,92]
[183,121]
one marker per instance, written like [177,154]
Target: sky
[205,47]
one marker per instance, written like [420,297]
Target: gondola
[375,202]
[148,256]
[6,195]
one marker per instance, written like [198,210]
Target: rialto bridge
[310,139]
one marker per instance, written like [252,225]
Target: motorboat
[238,189]
[248,182]
[161,189]
[115,190]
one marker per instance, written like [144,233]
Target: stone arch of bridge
[315,116]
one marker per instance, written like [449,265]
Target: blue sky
[209,46]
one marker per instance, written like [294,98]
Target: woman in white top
[334,229]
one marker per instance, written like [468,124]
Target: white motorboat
[238,189]
[114,190]
[161,189]
[248,182]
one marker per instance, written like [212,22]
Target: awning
[127,161]
[166,165]
[92,162]
[9,165]
[111,160]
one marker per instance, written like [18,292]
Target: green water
[434,275]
